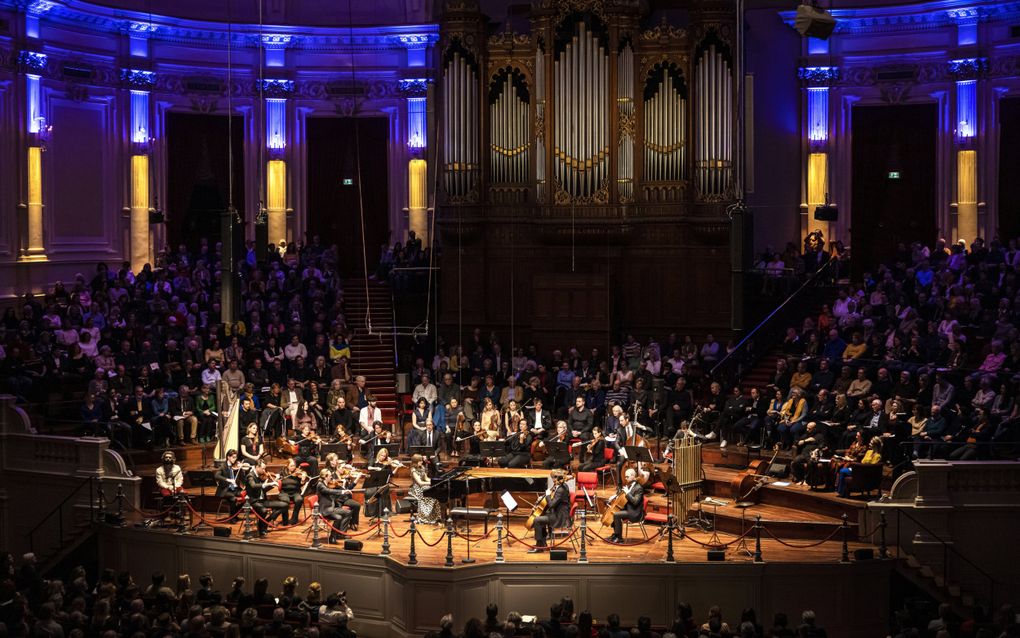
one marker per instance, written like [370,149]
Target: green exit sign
[894,175]
[350,182]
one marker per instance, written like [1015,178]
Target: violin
[591,446]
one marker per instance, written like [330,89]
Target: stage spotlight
[814,22]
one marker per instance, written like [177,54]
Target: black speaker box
[404,506]
[557,554]
[352,545]
[778,470]
[814,22]
[221,532]
[826,213]
[716,555]
[865,553]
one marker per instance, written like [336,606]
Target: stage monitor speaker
[865,553]
[778,470]
[557,554]
[814,22]
[404,506]
[221,532]
[716,555]
[827,213]
[352,545]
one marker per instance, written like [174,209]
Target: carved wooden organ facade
[593,129]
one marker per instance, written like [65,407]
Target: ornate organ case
[585,168]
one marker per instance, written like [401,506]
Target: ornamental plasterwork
[626,122]
[968,68]
[509,39]
[648,62]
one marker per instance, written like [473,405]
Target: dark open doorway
[198,175]
[333,211]
[1009,168]
[893,180]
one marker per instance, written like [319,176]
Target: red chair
[310,502]
[609,468]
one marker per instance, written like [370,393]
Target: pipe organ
[665,108]
[563,122]
[460,123]
[597,131]
[509,129]
[713,128]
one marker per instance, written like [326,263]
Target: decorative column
[416,91]
[276,167]
[967,72]
[141,240]
[816,81]
[32,246]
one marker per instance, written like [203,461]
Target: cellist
[633,508]
[556,512]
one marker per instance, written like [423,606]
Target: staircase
[373,355]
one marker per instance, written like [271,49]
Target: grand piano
[455,485]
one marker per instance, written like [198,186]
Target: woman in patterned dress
[428,508]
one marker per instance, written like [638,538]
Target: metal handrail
[947,547]
[741,350]
[59,509]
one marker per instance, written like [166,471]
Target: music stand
[342,451]
[393,449]
[638,453]
[203,479]
[559,451]
[379,482]
[492,449]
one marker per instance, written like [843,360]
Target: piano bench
[473,514]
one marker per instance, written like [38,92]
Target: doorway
[198,176]
[335,146]
[893,180]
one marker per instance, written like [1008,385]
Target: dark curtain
[198,176]
[333,211]
[893,180]
[1009,168]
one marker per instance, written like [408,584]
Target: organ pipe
[664,127]
[581,129]
[625,105]
[460,130]
[509,132]
[714,133]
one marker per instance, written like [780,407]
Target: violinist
[556,512]
[380,436]
[634,508]
[260,481]
[308,449]
[292,489]
[331,497]
[511,414]
[518,446]
[230,481]
[378,499]
[595,450]
[455,418]
[343,437]
[332,465]
[561,436]
[252,448]
[348,477]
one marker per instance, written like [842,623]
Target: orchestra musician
[271,421]
[292,490]
[260,481]
[429,438]
[490,420]
[518,447]
[379,435]
[428,508]
[348,476]
[562,436]
[511,414]
[378,499]
[169,478]
[331,498]
[342,436]
[595,450]
[308,449]
[633,510]
[252,448]
[539,420]
[556,513]
[230,481]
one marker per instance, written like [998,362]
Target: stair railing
[731,367]
[947,550]
[58,511]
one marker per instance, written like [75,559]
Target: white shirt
[171,483]
[293,352]
[426,391]
[210,377]
[368,416]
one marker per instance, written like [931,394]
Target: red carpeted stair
[373,354]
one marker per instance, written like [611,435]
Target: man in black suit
[229,481]
[331,506]
[635,508]
[539,420]
[556,514]
[268,510]
[136,410]
[878,423]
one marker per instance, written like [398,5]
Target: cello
[617,504]
[537,510]
[745,486]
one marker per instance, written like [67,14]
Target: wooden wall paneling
[529,595]
[630,596]
[366,583]
[224,566]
